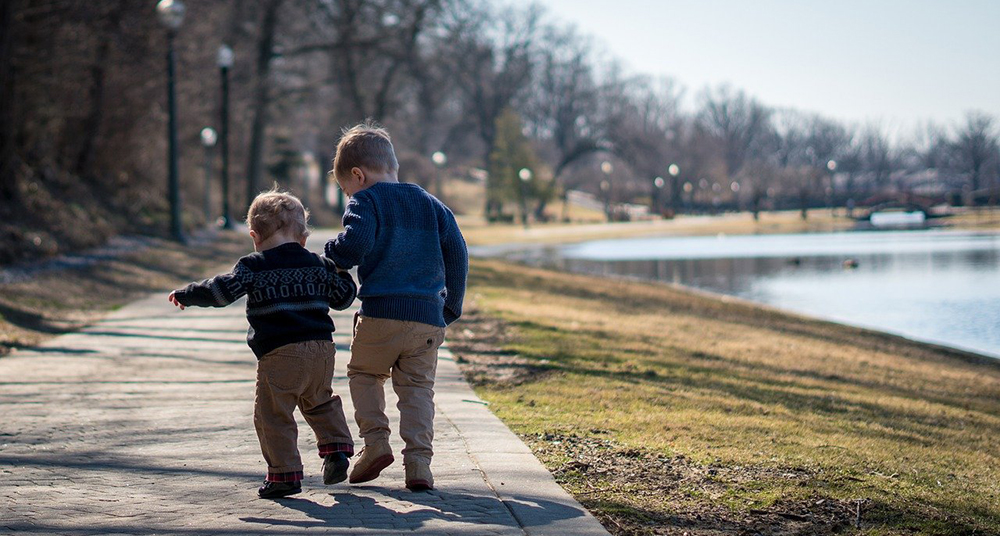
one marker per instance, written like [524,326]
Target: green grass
[784,410]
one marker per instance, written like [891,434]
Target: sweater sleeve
[218,291]
[349,248]
[343,290]
[456,266]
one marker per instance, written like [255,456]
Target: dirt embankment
[46,298]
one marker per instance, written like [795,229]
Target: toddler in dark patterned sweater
[289,293]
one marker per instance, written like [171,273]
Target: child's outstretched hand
[173,300]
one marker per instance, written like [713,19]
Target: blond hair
[274,210]
[366,145]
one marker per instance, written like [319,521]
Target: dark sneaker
[335,468]
[276,490]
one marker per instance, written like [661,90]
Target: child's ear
[358,174]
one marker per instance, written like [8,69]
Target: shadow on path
[427,507]
[102,463]
[164,337]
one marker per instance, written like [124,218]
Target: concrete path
[142,424]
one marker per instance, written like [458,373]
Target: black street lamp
[525,175]
[225,61]
[657,188]
[439,159]
[675,188]
[606,188]
[208,140]
[171,13]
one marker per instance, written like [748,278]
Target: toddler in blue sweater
[412,265]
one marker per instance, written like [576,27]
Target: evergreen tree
[512,152]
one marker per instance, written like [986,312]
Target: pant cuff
[376,437]
[330,448]
[416,458]
[291,476]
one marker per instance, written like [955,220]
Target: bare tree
[434,87]
[975,145]
[929,147]
[643,123]
[563,102]
[493,58]
[562,105]
[792,151]
[372,42]
[265,54]
[878,157]
[825,142]
[740,123]
[850,163]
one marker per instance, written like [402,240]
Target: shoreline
[964,354]
[531,254]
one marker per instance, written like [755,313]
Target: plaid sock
[330,448]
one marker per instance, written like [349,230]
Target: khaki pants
[298,374]
[408,352]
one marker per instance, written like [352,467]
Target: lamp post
[439,159]
[831,166]
[607,169]
[225,61]
[171,14]
[657,188]
[525,175]
[675,192]
[310,176]
[208,139]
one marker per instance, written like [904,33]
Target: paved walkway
[142,424]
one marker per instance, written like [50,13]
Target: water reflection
[940,286]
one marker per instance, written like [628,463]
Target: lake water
[935,286]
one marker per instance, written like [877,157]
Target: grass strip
[668,411]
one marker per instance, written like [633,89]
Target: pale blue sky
[896,61]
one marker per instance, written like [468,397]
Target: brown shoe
[372,460]
[418,476]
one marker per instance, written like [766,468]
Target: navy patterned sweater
[411,257]
[289,291]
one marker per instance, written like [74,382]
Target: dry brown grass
[478,232]
[981,218]
[903,431]
[57,301]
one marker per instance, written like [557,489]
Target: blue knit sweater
[411,257]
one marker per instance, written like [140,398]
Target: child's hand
[173,300]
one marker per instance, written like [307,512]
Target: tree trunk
[98,71]
[7,153]
[261,97]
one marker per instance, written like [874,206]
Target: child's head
[275,211]
[364,150]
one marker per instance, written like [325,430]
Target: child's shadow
[416,510]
